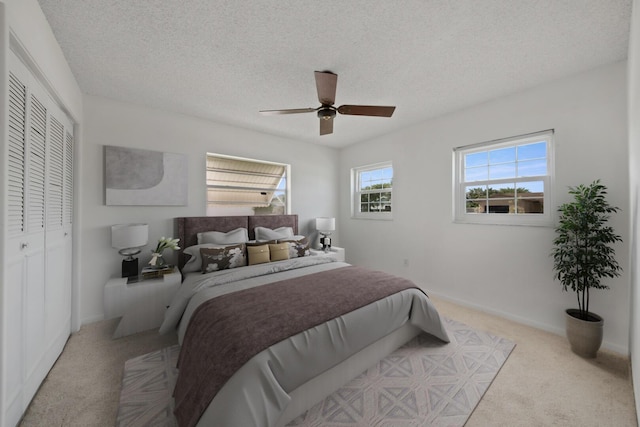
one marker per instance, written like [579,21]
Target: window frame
[356,193]
[546,218]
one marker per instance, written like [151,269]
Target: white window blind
[246,183]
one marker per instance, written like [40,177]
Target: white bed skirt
[316,389]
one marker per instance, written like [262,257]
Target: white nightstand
[141,304]
[335,252]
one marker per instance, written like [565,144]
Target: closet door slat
[56,175]
[16,158]
[68,179]
[37,152]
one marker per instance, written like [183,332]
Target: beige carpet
[541,384]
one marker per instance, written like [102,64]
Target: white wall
[314,179]
[501,269]
[634,187]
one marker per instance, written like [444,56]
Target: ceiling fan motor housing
[326,112]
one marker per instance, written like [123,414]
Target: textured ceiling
[225,60]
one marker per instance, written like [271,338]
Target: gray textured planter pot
[585,336]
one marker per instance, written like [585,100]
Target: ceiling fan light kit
[326,83]
[327,113]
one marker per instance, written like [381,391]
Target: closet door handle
[24,245]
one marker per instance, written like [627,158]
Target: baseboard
[524,321]
[92,319]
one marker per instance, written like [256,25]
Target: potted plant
[583,256]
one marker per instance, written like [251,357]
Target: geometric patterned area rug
[423,383]
[147,389]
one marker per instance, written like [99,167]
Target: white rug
[423,383]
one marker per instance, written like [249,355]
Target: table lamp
[325,226]
[129,239]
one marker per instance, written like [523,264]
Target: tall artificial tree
[583,254]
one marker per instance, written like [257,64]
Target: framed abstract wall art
[144,177]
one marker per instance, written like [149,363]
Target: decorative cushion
[215,259]
[263,233]
[297,247]
[194,263]
[258,254]
[239,235]
[279,251]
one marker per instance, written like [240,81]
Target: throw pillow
[258,254]
[215,259]
[298,247]
[279,251]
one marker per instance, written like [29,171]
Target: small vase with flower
[157,260]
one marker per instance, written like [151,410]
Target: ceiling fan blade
[366,110]
[326,85]
[290,111]
[326,126]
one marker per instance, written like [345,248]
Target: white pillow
[239,235]
[195,262]
[263,233]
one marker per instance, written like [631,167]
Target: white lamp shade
[125,236]
[325,224]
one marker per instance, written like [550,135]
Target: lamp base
[325,241]
[130,267]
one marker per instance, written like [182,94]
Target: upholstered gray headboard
[187,228]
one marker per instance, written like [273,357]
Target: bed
[262,343]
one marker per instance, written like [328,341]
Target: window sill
[511,221]
[382,217]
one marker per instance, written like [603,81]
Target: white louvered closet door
[39,182]
[57,236]
[12,366]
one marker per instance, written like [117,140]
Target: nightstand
[141,304]
[335,252]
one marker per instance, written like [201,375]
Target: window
[238,186]
[506,181]
[372,188]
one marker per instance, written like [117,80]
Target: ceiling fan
[326,85]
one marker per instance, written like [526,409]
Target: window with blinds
[255,186]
